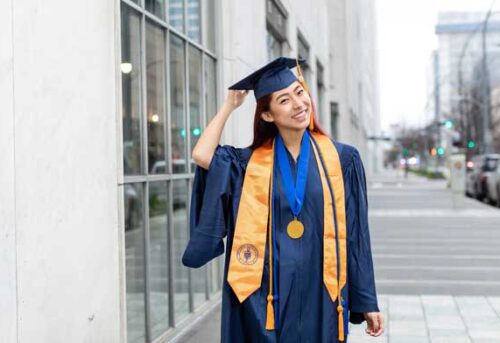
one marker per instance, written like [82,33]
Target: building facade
[101,105]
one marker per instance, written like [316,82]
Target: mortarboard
[273,77]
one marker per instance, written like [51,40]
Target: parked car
[493,183]
[478,171]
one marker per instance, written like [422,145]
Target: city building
[101,105]
[457,77]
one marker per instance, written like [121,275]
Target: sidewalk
[436,319]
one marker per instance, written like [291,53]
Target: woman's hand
[375,323]
[235,98]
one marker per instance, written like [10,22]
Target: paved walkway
[435,319]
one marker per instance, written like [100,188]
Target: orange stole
[247,254]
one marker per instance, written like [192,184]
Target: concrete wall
[8,312]
[59,225]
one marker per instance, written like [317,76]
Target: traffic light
[471,144]
[440,151]
[448,123]
[433,151]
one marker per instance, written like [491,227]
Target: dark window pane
[194,20]
[158,269]
[131,90]
[176,14]
[195,115]
[211,88]
[156,7]
[155,62]
[177,119]
[180,238]
[134,262]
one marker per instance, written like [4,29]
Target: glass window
[210,89]
[157,7]
[134,262]
[194,20]
[209,24]
[158,269]
[177,120]
[180,239]
[155,70]
[303,52]
[195,114]
[274,46]
[131,90]
[176,14]
[334,116]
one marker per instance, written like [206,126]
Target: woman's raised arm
[207,143]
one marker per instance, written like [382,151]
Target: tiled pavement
[435,319]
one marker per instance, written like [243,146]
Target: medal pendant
[295,229]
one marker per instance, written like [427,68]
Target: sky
[406,40]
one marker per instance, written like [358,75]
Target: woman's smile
[301,116]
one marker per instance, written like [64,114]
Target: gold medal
[295,229]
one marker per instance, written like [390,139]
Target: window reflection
[131,90]
[156,7]
[176,14]
[210,89]
[134,262]
[208,30]
[155,67]
[158,269]
[177,84]
[194,20]
[195,115]
[180,238]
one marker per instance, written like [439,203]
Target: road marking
[436,256]
[462,213]
[468,241]
[431,268]
[437,282]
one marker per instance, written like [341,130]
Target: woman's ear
[266,116]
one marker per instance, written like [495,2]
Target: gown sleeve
[210,206]
[362,295]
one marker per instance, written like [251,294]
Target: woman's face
[290,108]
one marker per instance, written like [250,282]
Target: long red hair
[263,131]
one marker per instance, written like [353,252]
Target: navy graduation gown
[306,312]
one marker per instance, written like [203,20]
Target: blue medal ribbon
[294,192]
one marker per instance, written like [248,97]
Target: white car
[493,183]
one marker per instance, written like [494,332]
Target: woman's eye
[301,91]
[283,101]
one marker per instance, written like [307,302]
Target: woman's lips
[300,116]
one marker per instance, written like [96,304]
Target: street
[437,267]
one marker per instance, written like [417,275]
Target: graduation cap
[273,77]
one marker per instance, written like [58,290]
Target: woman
[293,207]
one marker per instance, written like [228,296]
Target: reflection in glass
[156,7]
[176,14]
[210,90]
[180,238]
[209,24]
[177,85]
[194,20]
[158,268]
[155,70]
[131,89]
[195,115]
[134,262]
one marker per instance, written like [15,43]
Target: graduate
[293,207]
